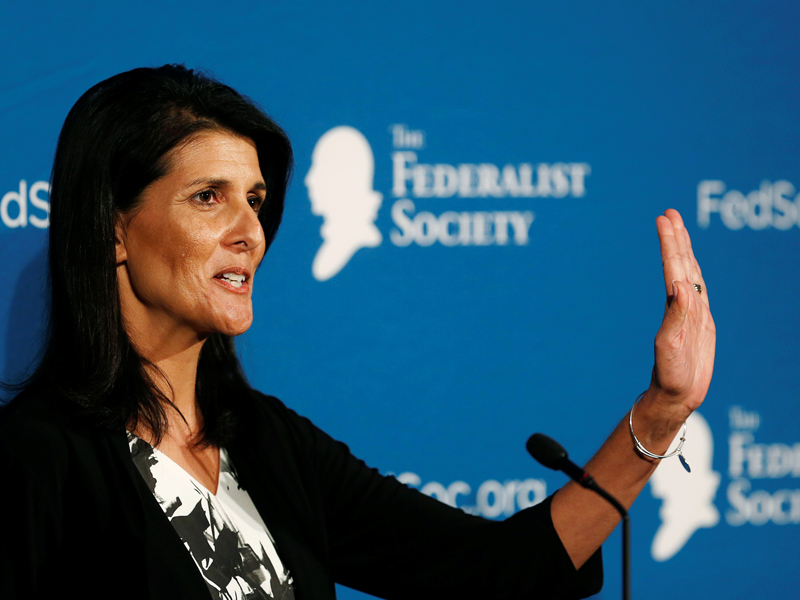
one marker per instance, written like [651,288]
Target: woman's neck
[174,373]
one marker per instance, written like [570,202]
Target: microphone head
[547,451]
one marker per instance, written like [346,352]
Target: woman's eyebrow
[216,182]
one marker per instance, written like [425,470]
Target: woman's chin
[234,325]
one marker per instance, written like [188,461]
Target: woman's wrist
[658,417]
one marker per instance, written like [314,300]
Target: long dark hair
[113,144]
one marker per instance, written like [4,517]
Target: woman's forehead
[214,157]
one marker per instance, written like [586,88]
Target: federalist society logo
[340,187]
[774,205]
[759,490]
[687,499]
[26,205]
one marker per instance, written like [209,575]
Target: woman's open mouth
[234,279]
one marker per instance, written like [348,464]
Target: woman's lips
[234,279]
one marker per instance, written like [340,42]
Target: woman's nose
[246,232]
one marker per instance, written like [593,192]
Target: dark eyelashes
[205,197]
[256,202]
[212,193]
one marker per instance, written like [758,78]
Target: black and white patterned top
[224,533]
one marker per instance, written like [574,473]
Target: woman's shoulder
[267,415]
[264,401]
[36,404]
[37,425]
[263,408]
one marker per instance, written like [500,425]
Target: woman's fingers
[672,326]
[685,342]
[683,243]
[671,260]
[691,267]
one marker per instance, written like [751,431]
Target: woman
[142,465]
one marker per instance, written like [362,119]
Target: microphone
[552,455]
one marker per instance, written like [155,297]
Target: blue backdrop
[503,276]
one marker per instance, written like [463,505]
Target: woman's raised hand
[685,343]
[681,376]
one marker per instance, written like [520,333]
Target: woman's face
[187,254]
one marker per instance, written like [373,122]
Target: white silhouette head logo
[339,186]
[688,498]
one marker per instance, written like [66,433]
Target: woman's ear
[119,240]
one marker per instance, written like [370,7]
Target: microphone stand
[552,455]
[626,538]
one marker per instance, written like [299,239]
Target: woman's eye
[255,202]
[206,196]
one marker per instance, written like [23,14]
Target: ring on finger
[698,288]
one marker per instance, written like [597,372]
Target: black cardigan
[77,516]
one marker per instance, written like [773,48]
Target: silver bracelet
[646,452]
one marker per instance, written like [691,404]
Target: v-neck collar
[162,456]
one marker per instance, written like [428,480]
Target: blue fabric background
[440,361]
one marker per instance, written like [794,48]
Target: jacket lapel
[271,474]
[170,569]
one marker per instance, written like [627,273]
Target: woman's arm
[33,461]
[684,361]
[379,536]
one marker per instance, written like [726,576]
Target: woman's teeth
[234,279]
